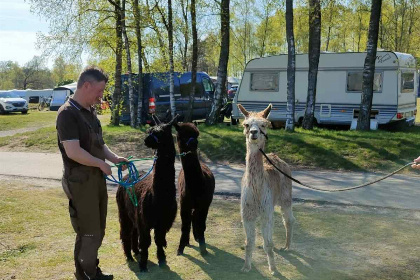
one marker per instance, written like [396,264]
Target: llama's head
[160,135]
[255,126]
[187,136]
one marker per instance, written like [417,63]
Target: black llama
[195,187]
[156,196]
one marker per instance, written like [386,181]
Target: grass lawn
[330,242]
[33,118]
[381,150]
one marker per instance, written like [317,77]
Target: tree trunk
[171,60]
[140,101]
[313,56]
[223,63]
[133,109]
[116,96]
[363,123]
[188,116]
[186,35]
[291,68]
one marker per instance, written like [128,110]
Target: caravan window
[407,81]
[267,81]
[355,81]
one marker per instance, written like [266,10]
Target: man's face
[95,91]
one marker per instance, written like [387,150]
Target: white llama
[262,188]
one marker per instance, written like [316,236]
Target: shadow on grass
[155,272]
[220,264]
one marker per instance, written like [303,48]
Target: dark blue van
[156,92]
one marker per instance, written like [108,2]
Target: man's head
[91,84]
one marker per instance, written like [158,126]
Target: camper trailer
[61,94]
[339,87]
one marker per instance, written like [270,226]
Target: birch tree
[291,67]
[363,122]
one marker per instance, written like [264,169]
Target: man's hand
[121,159]
[416,166]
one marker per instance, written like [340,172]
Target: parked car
[12,102]
[156,95]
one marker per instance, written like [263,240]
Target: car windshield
[8,95]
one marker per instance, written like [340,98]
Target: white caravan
[339,87]
[61,94]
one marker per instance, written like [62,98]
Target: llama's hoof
[162,263]
[143,268]
[246,268]
[203,249]
[285,249]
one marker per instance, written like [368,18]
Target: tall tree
[313,56]
[363,122]
[291,68]
[171,60]
[223,63]
[188,116]
[140,63]
[116,96]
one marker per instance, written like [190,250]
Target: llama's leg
[126,225]
[160,240]
[288,221]
[249,227]
[267,233]
[135,241]
[145,241]
[185,228]
[199,227]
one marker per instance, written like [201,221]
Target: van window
[208,86]
[355,81]
[407,81]
[267,81]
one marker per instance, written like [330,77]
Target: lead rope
[132,178]
[334,190]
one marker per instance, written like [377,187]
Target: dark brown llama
[195,188]
[156,196]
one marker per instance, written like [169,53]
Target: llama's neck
[164,171]
[192,168]
[254,162]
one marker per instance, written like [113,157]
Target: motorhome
[339,87]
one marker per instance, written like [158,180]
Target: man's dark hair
[91,73]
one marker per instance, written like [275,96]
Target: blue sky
[18,28]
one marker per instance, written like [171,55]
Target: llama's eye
[263,125]
[246,125]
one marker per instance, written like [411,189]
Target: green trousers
[88,201]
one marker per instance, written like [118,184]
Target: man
[84,152]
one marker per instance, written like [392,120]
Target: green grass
[330,242]
[33,118]
[381,150]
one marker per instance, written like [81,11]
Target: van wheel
[1,110]
[24,112]
[233,121]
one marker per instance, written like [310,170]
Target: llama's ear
[242,109]
[267,111]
